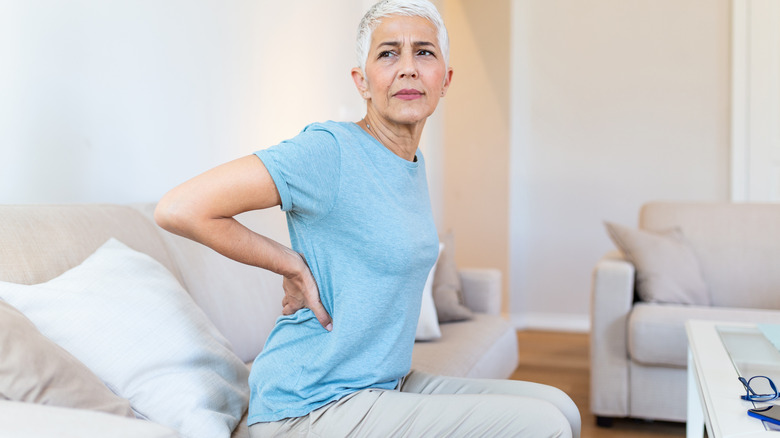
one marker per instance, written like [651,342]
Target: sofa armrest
[30,420]
[481,289]
[611,302]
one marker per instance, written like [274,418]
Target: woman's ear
[447,82]
[360,82]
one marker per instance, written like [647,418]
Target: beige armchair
[638,345]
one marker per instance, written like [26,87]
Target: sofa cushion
[666,268]
[34,369]
[483,347]
[28,420]
[447,286]
[656,332]
[127,318]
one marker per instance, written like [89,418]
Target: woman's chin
[411,118]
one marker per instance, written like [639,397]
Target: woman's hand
[301,291]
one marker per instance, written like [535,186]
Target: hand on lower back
[300,291]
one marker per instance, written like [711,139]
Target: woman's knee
[543,420]
[559,399]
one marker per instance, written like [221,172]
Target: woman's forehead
[398,28]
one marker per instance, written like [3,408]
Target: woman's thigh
[423,383]
[382,413]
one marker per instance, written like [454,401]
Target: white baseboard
[559,322]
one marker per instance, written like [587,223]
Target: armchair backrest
[737,245]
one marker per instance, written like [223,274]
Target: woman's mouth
[408,94]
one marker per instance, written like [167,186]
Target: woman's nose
[408,67]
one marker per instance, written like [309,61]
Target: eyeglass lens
[761,386]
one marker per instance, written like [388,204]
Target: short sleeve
[306,171]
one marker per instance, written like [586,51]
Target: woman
[363,240]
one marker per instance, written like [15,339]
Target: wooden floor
[561,360]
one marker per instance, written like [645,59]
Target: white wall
[755,128]
[476,135]
[120,101]
[614,104]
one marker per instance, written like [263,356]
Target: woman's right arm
[202,209]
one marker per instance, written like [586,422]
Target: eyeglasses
[762,390]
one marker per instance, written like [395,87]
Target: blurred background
[562,113]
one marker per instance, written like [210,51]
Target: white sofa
[38,243]
[638,348]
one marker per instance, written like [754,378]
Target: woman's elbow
[170,216]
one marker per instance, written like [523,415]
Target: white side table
[713,388]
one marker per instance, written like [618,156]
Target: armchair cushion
[667,270]
[656,332]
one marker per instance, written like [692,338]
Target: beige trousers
[434,406]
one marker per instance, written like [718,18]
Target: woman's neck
[401,140]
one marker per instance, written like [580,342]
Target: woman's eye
[386,54]
[425,53]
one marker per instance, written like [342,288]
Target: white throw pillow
[126,318]
[428,323]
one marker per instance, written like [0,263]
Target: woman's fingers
[322,315]
[301,291]
[317,308]
[295,300]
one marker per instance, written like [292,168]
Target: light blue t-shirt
[361,216]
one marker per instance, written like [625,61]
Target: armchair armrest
[481,289]
[611,301]
[35,420]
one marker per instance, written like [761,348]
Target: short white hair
[410,8]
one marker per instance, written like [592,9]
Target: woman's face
[405,74]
